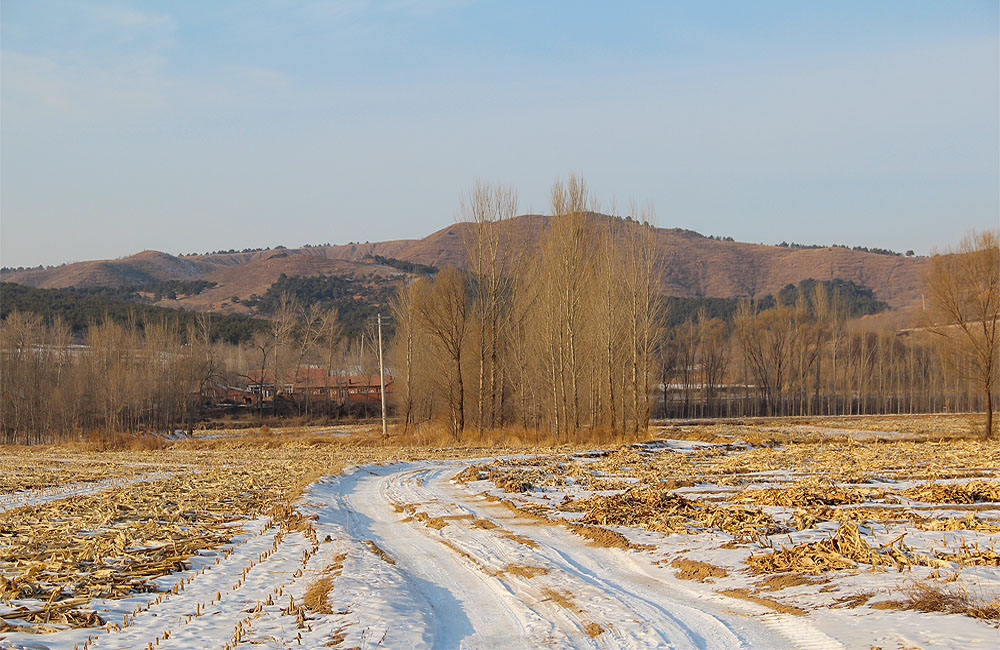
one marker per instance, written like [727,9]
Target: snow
[426,562]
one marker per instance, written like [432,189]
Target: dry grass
[63,552]
[105,441]
[779,581]
[804,483]
[317,596]
[377,550]
[934,596]
[436,434]
[599,536]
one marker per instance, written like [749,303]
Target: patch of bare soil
[696,570]
[562,598]
[779,581]
[746,594]
[524,570]
[600,536]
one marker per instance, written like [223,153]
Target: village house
[317,384]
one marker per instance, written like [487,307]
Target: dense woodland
[564,337]
[356,300]
[78,309]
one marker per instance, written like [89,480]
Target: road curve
[431,564]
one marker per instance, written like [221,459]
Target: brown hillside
[141,268]
[693,266]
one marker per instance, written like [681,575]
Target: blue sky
[196,126]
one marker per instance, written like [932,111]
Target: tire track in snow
[624,614]
[425,599]
[452,585]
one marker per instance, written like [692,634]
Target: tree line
[563,332]
[567,333]
[79,309]
[159,374]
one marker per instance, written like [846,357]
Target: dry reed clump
[928,596]
[521,475]
[742,523]
[620,460]
[317,596]
[51,617]
[471,473]
[845,549]
[810,491]
[964,493]
[806,518]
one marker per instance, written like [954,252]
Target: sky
[195,126]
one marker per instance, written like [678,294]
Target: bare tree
[964,291]
[641,283]
[565,251]
[282,326]
[263,345]
[489,209]
[442,308]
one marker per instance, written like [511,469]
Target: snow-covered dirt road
[431,564]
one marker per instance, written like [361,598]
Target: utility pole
[381,378]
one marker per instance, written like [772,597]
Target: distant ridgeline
[402,265]
[857,300]
[80,307]
[357,300]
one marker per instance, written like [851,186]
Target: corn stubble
[818,488]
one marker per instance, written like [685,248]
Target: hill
[693,265]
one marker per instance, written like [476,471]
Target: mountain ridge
[693,266]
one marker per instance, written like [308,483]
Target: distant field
[826,533]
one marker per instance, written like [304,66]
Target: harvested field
[266,539]
[823,517]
